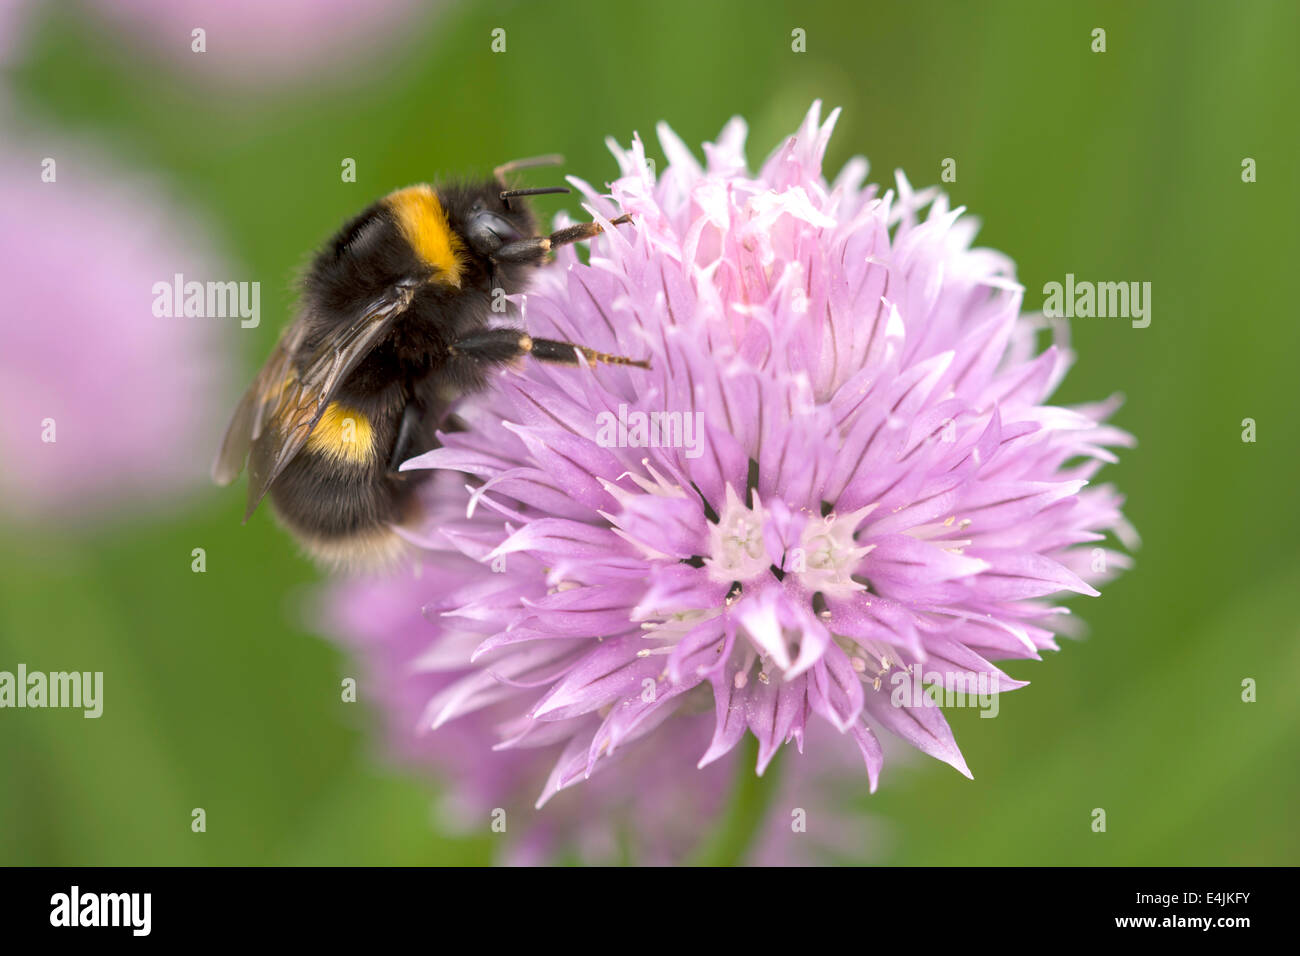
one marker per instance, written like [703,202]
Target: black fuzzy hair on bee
[393,328]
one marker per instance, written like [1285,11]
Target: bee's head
[496,214]
[442,240]
[485,216]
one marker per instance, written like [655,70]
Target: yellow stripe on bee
[343,434]
[423,223]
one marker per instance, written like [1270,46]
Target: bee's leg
[499,346]
[566,353]
[407,432]
[536,248]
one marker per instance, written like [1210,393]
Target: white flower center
[828,555]
[737,552]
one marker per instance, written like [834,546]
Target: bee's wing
[290,394]
[256,406]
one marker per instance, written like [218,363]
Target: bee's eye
[487,231]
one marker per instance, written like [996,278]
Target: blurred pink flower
[131,400]
[251,41]
[12,14]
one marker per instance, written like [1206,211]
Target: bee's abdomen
[337,495]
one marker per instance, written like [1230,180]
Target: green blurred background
[1124,165]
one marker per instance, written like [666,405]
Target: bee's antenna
[550,159]
[537,191]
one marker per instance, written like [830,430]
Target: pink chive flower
[647,814]
[408,659]
[840,480]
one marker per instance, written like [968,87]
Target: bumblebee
[392,329]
